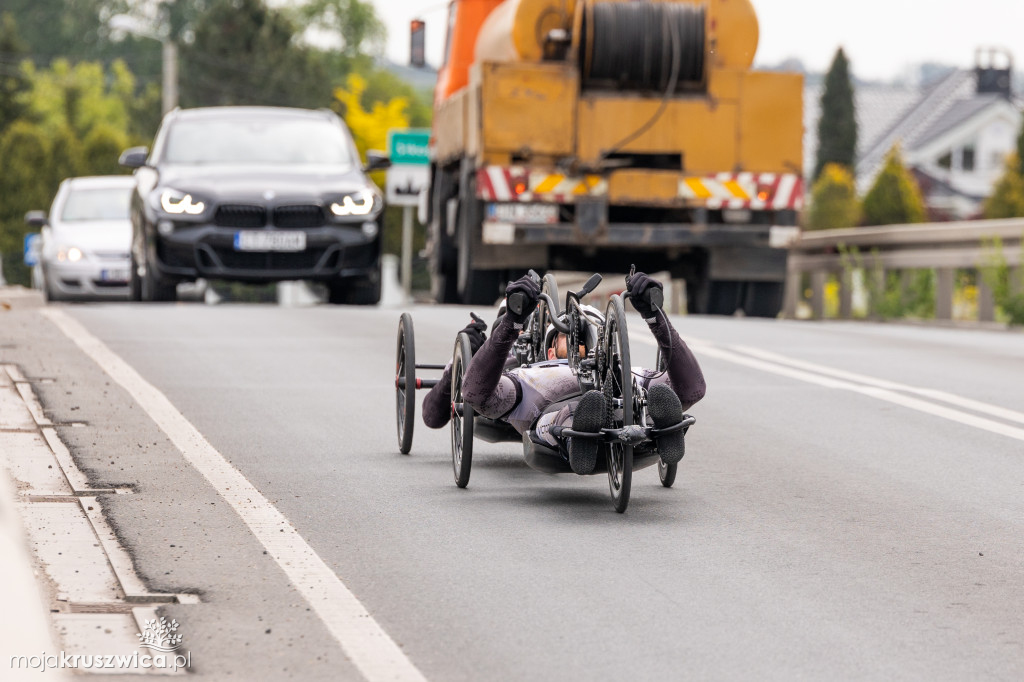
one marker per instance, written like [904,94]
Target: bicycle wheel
[667,473]
[617,385]
[462,414]
[542,318]
[405,384]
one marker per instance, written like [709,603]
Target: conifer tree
[837,127]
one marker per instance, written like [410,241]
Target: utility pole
[170,55]
[170,69]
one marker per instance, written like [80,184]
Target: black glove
[530,291]
[639,287]
[475,331]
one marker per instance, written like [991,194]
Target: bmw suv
[255,194]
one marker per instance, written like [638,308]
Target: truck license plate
[536,214]
[270,241]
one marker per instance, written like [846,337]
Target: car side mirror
[376,161]
[36,219]
[134,157]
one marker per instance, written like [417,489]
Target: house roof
[933,103]
[959,112]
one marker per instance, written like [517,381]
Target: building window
[967,159]
[946,160]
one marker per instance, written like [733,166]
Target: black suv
[255,194]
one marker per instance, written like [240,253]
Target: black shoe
[588,418]
[665,409]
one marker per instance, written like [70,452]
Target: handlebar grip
[516,303]
[656,297]
[591,284]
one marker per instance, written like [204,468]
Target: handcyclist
[536,398]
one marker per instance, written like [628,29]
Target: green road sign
[408,146]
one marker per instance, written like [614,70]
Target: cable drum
[635,45]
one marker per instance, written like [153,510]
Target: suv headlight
[359,203]
[175,202]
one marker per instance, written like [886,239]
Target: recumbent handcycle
[627,442]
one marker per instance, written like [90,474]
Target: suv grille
[298,216]
[240,215]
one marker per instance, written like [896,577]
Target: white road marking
[934,394]
[871,391]
[369,647]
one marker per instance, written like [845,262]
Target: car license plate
[270,241]
[537,214]
[114,275]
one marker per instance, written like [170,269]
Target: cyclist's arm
[485,387]
[683,373]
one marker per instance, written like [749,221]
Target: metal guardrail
[944,247]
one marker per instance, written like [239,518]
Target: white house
[954,133]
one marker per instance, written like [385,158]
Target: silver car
[85,245]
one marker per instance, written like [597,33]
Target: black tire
[617,383]
[134,281]
[405,396]
[667,473]
[724,298]
[475,286]
[542,318]
[462,414]
[359,291]
[763,299]
[155,289]
[444,280]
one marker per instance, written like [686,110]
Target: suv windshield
[97,204]
[258,140]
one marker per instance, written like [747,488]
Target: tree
[369,126]
[1007,199]
[24,150]
[837,127]
[833,200]
[895,198]
[13,83]
[244,53]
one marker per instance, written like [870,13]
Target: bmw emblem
[269,194]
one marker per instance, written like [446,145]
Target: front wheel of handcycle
[617,385]
[667,473]
[405,384]
[462,414]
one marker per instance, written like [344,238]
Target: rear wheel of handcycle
[405,384]
[462,414]
[617,385]
[666,472]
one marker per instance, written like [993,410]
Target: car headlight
[177,203]
[72,254]
[357,203]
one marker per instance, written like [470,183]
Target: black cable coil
[632,45]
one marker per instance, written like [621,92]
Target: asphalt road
[853,517]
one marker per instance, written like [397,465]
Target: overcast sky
[882,38]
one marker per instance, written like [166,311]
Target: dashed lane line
[365,642]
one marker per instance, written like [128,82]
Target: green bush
[895,198]
[833,200]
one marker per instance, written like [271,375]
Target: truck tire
[723,297]
[443,258]
[475,286]
[359,291]
[764,299]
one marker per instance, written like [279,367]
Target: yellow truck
[591,134]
